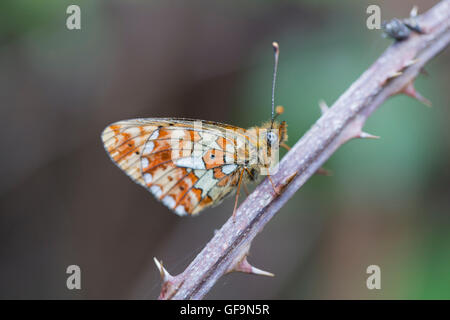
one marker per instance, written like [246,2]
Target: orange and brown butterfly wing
[187,164]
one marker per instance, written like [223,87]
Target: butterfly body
[190,165]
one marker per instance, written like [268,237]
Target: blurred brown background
[63,202]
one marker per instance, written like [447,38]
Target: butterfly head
[270,136]
[276,133]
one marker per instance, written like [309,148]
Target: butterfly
[190,165]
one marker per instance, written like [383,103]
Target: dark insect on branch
[400,29]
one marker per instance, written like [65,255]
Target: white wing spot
[178,134]
[149,146]
[148,178]
[191,162]
[156,190]
[229,155]
[206,182]
[144,162]
[209,140]
[229,168]
[169,202]
[133,131]
[154,135]
[180,210]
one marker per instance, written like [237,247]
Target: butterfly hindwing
[187,164]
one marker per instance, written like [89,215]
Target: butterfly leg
[252,177]
[284,145]
[237,193]
[246,189]
[273,186]
[324,172]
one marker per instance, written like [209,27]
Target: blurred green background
[63,202]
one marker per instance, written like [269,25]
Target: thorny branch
[392,73]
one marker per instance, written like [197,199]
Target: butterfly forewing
[187,164]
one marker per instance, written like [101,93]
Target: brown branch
[392,73]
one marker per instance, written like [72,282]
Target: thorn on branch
[323,106]
[394,75]
[279,188]
[244,266]
[410,63]
[365,135]
[424,72]
[324,172]
[390,77]
[165,275]
[409,90]
[170,284]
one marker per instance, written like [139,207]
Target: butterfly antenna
[276,49]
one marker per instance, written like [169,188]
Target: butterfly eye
[272,138]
